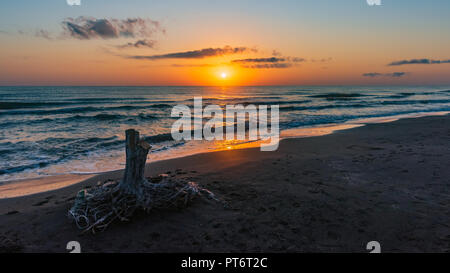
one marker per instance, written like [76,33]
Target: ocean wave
[411,102]
[110,117]
[338,96]
[368,104]
[246,101]
[322,107]
[9,105]
[83,109]
[310,120]
[161,105]
[159,138]
[298,91]
[105,99]
[81,118]
[5,151]
[21,168]
[55,150]
[237,99]
[398,96]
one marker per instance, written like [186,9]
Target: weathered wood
[97,207]
[136,156]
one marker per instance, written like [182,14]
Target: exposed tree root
[96,208]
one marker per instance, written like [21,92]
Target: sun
[223,75]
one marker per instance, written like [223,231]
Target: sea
[47,131]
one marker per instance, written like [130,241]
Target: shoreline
[386,182]
[25,187]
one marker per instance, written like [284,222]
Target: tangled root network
[96,208]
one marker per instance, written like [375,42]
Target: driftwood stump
[136,156]
[94,209]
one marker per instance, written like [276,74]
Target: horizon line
[269,85]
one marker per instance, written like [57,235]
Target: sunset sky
[311,42]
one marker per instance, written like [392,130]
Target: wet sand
[386,182]
[33,186]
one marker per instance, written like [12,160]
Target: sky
[234,42]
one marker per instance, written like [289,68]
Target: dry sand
[387,182]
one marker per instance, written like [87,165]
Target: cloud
[372,74]
[397,74]
[268,65]
[260,60]
[255,63]
[198,54]
[86,28]
[43,34]
[39,33]
[323,60]
[139,44]
[392,75]
[276,53]
[418,61]
[272,62]
[296,60]
[192,65]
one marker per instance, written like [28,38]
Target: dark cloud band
[418,61]
[272,62]
[392,75]
[198,54]
[268,65]
[260,60]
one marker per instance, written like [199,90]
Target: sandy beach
[386,182]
